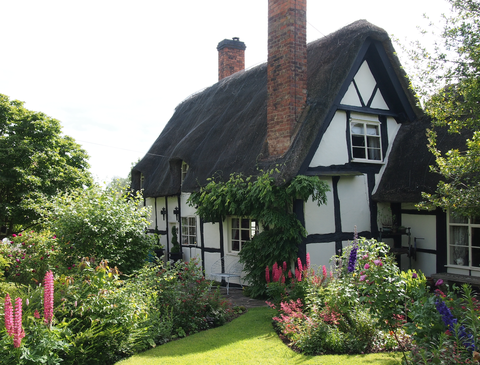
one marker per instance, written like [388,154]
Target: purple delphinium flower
[450,323]
[353,259]
[353,253]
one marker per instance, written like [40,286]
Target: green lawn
[249,339]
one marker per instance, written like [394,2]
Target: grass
[249,339]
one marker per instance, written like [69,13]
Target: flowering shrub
[359,309]
[445,327]
[30,255]
[190,299]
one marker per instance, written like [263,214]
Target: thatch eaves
[408,172]
[222,129]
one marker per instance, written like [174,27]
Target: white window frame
[184,170]
[189,231]
[239,234]
[368,122]
[463,237]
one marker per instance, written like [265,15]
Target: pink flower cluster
[13,323]
[48,298]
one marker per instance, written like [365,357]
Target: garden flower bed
[366,304]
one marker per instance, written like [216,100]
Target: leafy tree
[271,205]
[36,161]
[448,83]
[101,224]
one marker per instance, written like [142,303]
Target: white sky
[113,71]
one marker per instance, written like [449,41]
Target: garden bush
[101,223]
[28,256]
[445,326]
[360,308]
[99,317]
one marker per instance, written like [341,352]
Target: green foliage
[36,161]
[175,245]
[360,309]
[434,341]
[104,224]
[261,198]
[30,255]
[447,79]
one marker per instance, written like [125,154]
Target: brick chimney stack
[231,57]
[287,71]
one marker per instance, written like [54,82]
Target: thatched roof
[223,128]
[408,171]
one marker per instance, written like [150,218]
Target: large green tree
[36,162]
[448,82]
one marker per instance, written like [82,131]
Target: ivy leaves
[271,204]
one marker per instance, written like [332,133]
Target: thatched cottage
[339,108]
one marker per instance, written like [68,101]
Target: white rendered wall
[333,148]
[354,203]
[320,219]
[366,85]
[320,254]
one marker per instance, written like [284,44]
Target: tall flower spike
[48,298]
[300,267]
[308,261]
[8,315]
[267,274]
[18,332]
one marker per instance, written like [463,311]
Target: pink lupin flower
[8,315]
[36,314]
[48,298]
[300,266]
[267,274]
[298,274]
[18,332]
[284,266]
[308,261]
[324,271]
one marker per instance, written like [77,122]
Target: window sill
[374,162]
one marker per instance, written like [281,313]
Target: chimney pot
[231,57]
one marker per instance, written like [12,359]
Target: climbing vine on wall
[271,204]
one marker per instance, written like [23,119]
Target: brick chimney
[287,71]
[231,57]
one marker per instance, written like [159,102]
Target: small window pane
[459,256]
[456,218]
[372,130]
[235,234]
[358,141]
[358,152]
[357,128]
[235,223]
[235,246]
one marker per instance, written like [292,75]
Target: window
[242,230]
[366,139]
[189,231]
[184,170]
[464,241]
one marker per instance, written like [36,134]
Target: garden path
[237,298]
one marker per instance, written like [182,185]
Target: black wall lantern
[163,212]
[176,211]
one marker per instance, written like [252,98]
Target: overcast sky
[113,71]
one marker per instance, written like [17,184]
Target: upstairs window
[366,140]
[242,230]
